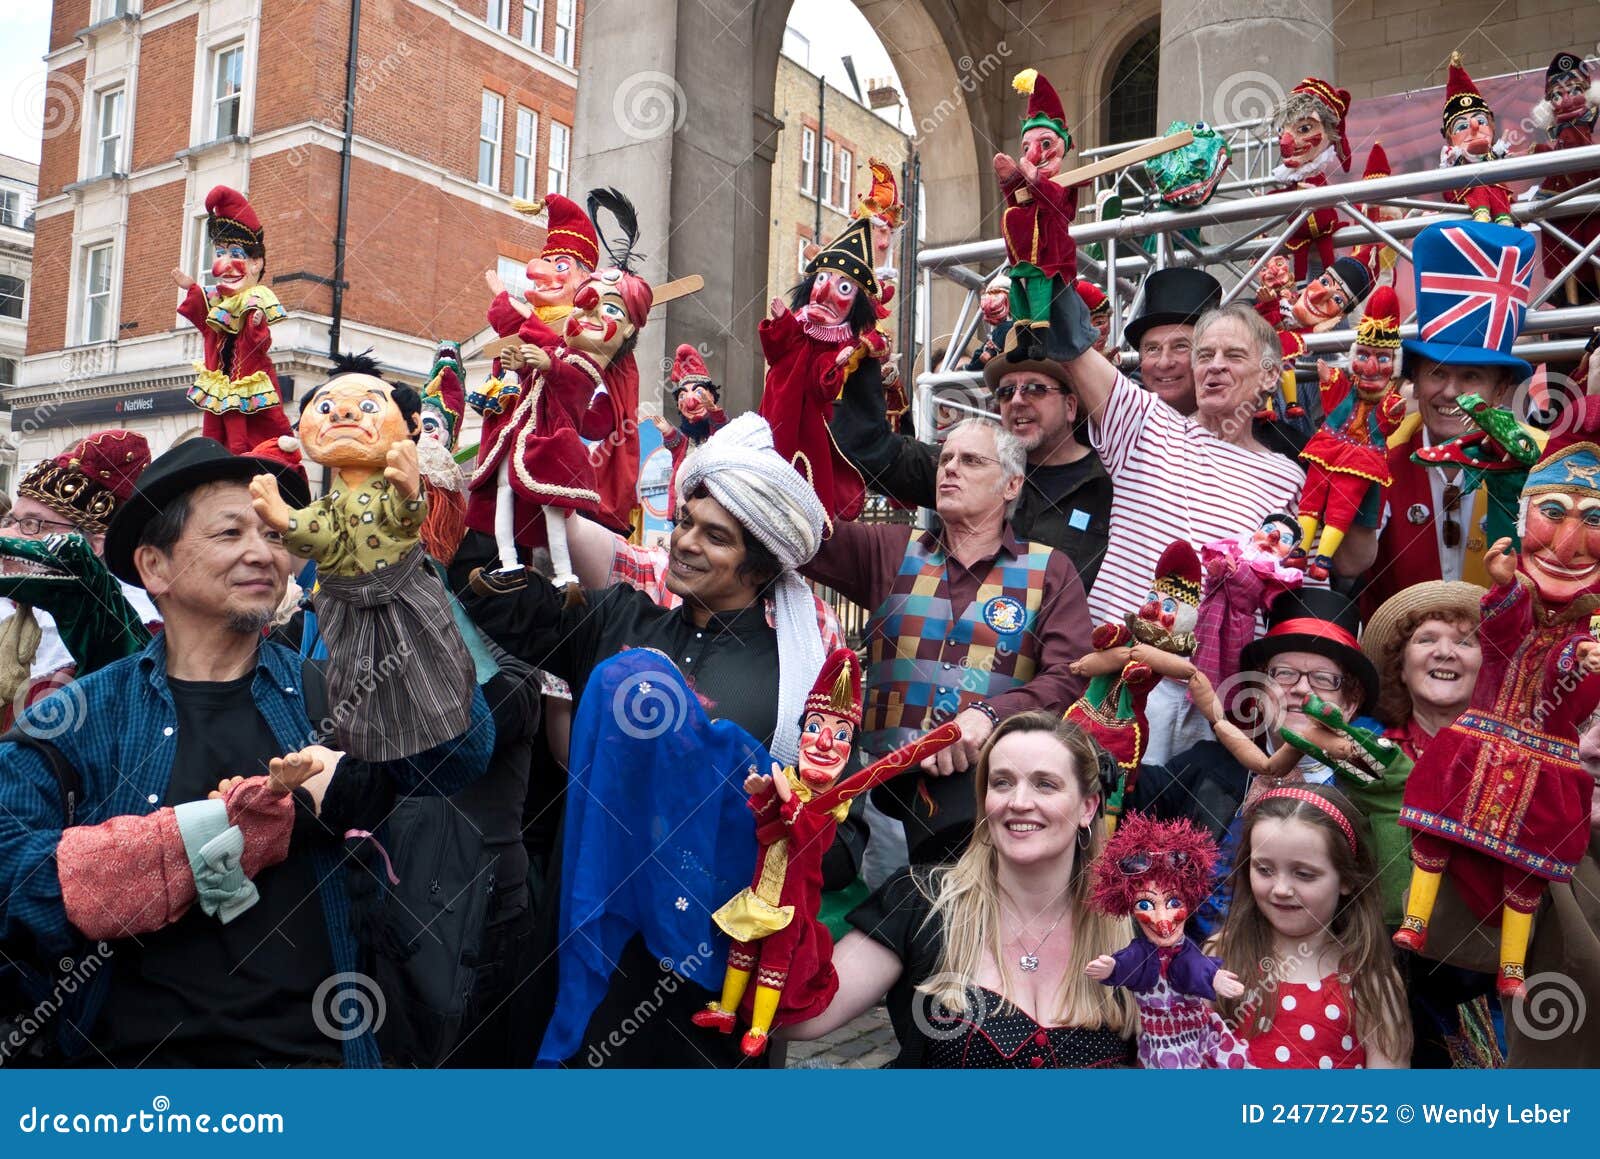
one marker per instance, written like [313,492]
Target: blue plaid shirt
[118,727]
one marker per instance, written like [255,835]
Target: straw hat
[1442,598]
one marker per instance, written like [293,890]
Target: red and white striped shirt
[1173,479]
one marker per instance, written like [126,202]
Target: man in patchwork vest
[968,623]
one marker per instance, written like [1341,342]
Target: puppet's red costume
[1317,98]
[1569,129]
[1488,201]
[235,383]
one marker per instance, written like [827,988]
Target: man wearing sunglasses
[1065,500]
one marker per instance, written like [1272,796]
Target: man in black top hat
[1163,333]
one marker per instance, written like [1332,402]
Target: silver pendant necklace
[1029,960]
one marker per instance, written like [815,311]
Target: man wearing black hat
[114,821]
[1163,333]
[1310,647]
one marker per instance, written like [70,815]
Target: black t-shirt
[990,1034]
[202,994]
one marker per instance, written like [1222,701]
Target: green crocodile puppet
[62,575]
[1371,771]
[1497,455]
[1180,178]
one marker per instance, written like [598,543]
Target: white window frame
[808,161]
[90,295]
[495,103]
[533,24]
[800,256]
[845,167]
[566,30]
[559,165]
[215,99]
[22,299]
[8,211]
[111,9]
[522,167]
[498,15]
[16,368]
[201,240]
[104,166]
[825,178]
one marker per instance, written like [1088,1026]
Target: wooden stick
[1125,158]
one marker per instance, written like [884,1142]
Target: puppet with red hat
[1099,307]
[882,208]
[1158,873]
[1378,256]
[1310,122]
[235,384]
[533,466]
[1499,799]
[777,938]
[826,333]
[1320,305]
[1348,456]
[700,414]
[1131,658]
[1570,113]
[1468,130]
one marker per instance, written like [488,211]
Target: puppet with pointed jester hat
[1468,129]
[1312,143]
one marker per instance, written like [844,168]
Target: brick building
[829,174]
[19,187]
[457,107]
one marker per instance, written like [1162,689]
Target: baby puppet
[395,655]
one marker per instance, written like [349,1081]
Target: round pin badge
[1417,513]
[1004,614]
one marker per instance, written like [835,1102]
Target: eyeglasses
[1285,677]
[968,460]
[1143,861]
[28,525]
[1029,390]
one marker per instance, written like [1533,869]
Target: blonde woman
[982,962]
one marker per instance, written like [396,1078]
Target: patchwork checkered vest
[924,666]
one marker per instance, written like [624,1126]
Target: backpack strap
[314,689]
[68,782]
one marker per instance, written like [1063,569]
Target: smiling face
[1161,914]
[1437,386]
[1275,538]
[1323,300]
[1044,148]
[1032,801]
[1231,374]
[1166,364]
[599,324]
[351,422]
[704,555]
[1291,700]
[1292,877]
[1472,133]
[233,269]
[1374,367]
[1439,664]
[1042,423]
[1302,139]
[1566,94]
[554,280]
[825,740]
[694,402]
[1561,544]
[833,296]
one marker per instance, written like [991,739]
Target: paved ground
[864,1044]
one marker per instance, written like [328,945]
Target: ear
[1091,807]
[155,569]
[1013,488]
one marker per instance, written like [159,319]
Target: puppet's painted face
[695,402]
[1301,140]
[434,424]
[1101,320]
[352,422]
[1561,544]
[1566,95]
[1275,538]
[1161,914]
[1172,615]
[996,306]
[833,296]
[1374,368]
[825,741]
[1472,133]
[1044,149]
[1323,300]
[599,322]
[233,269]
[553,281]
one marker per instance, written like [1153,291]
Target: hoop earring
[1085,838]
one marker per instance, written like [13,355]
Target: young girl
[1306,937]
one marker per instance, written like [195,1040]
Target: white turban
[740,469]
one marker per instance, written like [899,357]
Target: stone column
[1230,60]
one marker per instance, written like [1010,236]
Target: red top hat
[1460,95]
[87,482]
[232,219]
[570,232]
[1337,102]
[838,687]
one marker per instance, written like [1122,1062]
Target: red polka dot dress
[1312,1028]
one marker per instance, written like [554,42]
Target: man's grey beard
[249,623]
